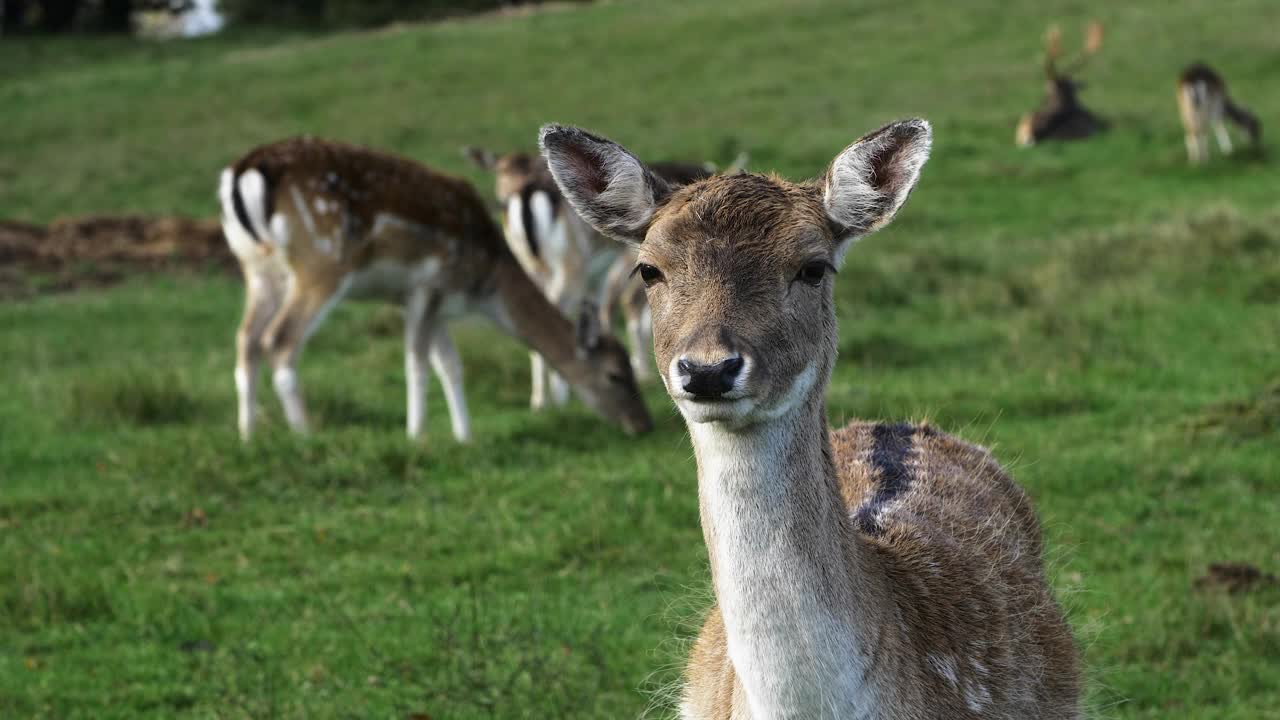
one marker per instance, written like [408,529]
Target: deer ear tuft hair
[871,179]
[608,186]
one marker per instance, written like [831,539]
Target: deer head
[739,269]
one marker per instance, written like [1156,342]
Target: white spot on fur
[946,667]
[384,222]
[977,697]
[300,205]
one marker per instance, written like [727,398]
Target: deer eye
[812,273]
[649,274]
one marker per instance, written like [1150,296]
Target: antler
[1052,49]
[1092,44]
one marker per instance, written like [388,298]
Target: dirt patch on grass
[1235,578]
[1252,417]
[101,250]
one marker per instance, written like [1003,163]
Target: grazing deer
[552,244]
[1061,116]
[1203,103]
[312,222]
[877,571]
[558,249]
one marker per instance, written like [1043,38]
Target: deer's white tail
[536,235]
[245,212]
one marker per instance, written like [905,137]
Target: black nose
[706,382]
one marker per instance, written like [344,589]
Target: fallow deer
[1061,116]
[877,571]
[1203,103]
[313,221]
[558,249]
[552,244]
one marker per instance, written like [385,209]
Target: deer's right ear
[608,186]
[485,159]
[868,182]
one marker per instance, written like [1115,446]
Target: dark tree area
[116,15]
[353,13]
[11,14]
[56,16]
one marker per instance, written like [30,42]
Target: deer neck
[803,608]
[521,309]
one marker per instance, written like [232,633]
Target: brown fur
[917,542]
[959,550]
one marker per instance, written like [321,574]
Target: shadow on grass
[137,397]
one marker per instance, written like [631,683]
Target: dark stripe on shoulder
[237,204]
[890,447]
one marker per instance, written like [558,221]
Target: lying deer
[312,222]
[877,571]
[1061,116]
[558,249]
[1203,103]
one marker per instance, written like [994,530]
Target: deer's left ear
[480,157]
[608,186]
[871,179]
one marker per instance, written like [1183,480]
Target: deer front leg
[262,299]
[1224,138]
[538,394]
[448,365]
[1195,148]
[304,309]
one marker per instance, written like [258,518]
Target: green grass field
[1105,317]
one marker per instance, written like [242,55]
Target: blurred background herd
[1085,280]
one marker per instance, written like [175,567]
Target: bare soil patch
[101,250]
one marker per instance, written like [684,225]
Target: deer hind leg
[304,309]
[419,327]
[448,365]
[263,294]
[538,394]
[1224,139]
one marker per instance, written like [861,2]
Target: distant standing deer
[878,571]
[1203,103]
[313,221]
[1061,116]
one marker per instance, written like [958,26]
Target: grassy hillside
[1104,316]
